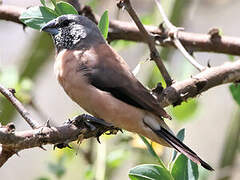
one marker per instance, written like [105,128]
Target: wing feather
[107,71]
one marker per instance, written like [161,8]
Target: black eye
[64,23]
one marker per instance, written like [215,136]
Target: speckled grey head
[73,32]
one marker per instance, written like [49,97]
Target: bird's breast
[72,80]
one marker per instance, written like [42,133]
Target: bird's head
[73,32]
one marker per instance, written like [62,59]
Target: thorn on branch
[208,63]
[121,4]
[158,90]
[61,146]
[214,34]
[98,139]
[200,85]
[10,127]
[12,90]
[162,28]
[48,124]
[17,153]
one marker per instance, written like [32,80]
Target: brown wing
[107,71]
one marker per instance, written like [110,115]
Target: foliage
[36,17]
[231,147]
[180,136]
[103,24]
[182,168]
[235,91]
[186,110]
[149,172]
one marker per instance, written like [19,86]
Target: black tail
[181,147]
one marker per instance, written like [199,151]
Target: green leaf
[57,169]
[65,8]
[36,17]
[116,158]
[43,2]
[231,57]
[151,151]
[156,78]
[180,136]
[53,2]
[43,178]
[184,169]
[103,24]
[92,3]
[235,91]
[89,174]
[149,172]
[186,110]
[9,77]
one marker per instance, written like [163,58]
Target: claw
[68,146]
[17,153]
[48,124]
[42,148]
[80,138]
[120,130]
[96,120]
[98,140]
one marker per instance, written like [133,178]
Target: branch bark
[120,30]
[9,94]
[80,128]
[154,54]
[194,86]
[11,13]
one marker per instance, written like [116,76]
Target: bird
[98,79]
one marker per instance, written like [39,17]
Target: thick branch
[128,31]
[211,77]
[80,128]
[11,13]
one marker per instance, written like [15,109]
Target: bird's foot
[90,127]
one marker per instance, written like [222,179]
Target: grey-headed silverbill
[100,81]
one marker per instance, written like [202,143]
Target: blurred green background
[211,121]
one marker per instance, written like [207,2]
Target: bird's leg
[91,127]
[106,128]
[93,119]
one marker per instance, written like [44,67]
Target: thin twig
[174,30]
[149,39]
[20,108]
